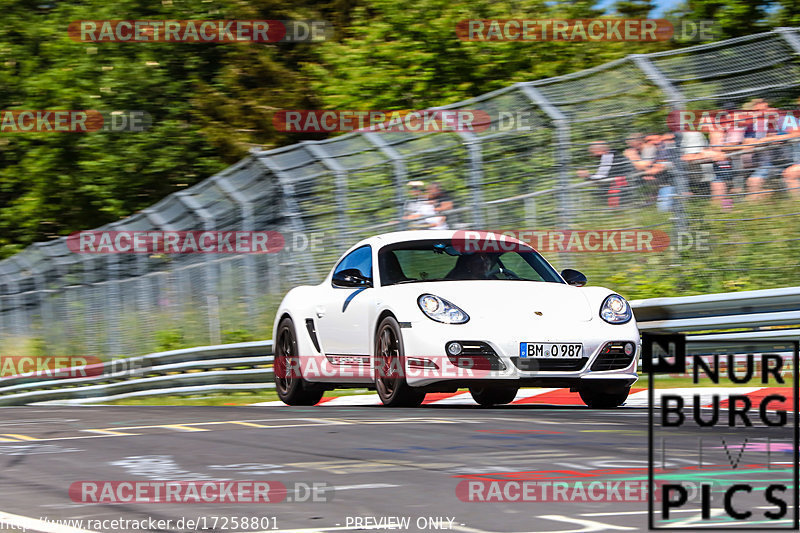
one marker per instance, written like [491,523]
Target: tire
[291,387]
[493,395]
[597,399]
[390,381]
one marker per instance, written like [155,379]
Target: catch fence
[323,196]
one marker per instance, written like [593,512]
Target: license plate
[550,351]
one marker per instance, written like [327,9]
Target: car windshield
[445,260]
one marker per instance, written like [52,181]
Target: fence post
[212,279]
[790,37]
[563,145]
[340,174]
[400,171]
[475,154]
[41,292]
[291,212]
[246,208]
[676,101]
[113,305]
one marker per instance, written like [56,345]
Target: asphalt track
[404,463]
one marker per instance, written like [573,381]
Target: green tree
[735,17]
[209,104]
[398,55]
[634,8]
[786,14]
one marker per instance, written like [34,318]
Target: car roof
[426,234]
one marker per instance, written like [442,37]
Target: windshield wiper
[417,281]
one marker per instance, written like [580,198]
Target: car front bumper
[425,344]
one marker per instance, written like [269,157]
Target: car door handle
[320,311]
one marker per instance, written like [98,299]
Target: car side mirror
[573,277]
[350,277]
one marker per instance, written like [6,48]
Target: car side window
[359,259]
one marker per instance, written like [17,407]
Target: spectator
[642,153]
[779,153]
[762,159]
[723,179]
[610,166]
[441,204]
[666,155]
[720,140]
[791,174]
[418,208]
[694,149]
[791,178]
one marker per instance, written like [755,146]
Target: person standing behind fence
[642,153]
[418,209]
[695,154]
[667,157]
[612,167]
[441,204]
[791,174]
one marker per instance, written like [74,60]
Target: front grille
[533,364]
[612,357]
[477,356]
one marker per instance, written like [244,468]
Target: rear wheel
[390,381]
[289,383]
[601,399]
[493,395]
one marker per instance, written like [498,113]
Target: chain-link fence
[730,208]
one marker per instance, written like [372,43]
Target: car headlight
[615,310]
[441,310]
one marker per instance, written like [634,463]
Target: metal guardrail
[248,365]
[708,312]
[240,366]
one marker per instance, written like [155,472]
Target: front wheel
[488,396]
[597,399]
[390,381]
[289,383]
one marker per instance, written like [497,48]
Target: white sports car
[435,310]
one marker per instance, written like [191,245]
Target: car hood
[490,298]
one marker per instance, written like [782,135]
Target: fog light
[629,348]
[454,348]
